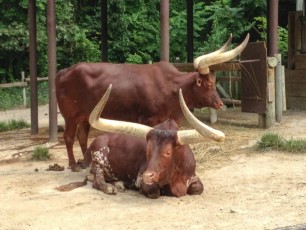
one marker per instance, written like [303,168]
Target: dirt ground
[244,189]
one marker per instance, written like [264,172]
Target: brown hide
[146,94]
[166,166]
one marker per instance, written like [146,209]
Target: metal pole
[164,29]
[33,66]
[272,27]
[104,34]
[52,70]
[189,4]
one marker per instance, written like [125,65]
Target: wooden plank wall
[296,89]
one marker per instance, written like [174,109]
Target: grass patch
[272,141]
[13,124]
[40,154]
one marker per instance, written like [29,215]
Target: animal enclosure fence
[24,83]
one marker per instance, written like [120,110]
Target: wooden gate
[254,86]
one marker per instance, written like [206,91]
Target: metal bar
[189,4]
[104,34]
[164,29]
[51,27]
[33,66]
[272,27]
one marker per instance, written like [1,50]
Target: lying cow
[146,94]
[155,160]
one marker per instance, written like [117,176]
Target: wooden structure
[51,25]
[296,69]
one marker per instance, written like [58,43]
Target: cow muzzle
[150,177]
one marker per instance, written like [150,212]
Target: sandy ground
[244,189]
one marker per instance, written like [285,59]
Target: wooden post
[24,96]
[213,115]
[267,120]
[284,89]
[278,90]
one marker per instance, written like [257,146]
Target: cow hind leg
[82,134]
[196,187]
[69,135]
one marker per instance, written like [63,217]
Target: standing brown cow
[146,94]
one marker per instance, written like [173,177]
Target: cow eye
[167,153]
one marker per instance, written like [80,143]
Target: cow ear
[198,81]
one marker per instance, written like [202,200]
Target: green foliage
[12,125]
[224,19]
[282,33]
[133,31]
[10,98]
[41,154]
[272,141]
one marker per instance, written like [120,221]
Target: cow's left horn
[204,63]
[112,125]
[194,136]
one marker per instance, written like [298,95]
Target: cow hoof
[90,177]
[110,189]
[120,186]
[76,168]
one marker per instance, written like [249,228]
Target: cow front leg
[195,186]
[150,190]
[100,183]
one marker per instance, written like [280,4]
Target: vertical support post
[33,66]
[52,70]
[164,28]
[278,90]
[104,34]
[267,120]
[272,27]
[24,96]
[284,89]
[189,4]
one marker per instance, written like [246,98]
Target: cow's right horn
[112,125]
[201,130]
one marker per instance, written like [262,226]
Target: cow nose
[148,177]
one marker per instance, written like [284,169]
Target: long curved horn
[194,136]
[224,48]
[203,66]
[112,125]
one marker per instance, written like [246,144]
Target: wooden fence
[23,84]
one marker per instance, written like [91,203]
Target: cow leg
[150,190]
[82,134]
[69,135]
[196,187]
[99,182]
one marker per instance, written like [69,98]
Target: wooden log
[14,84]
[38,79]
[228,101]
